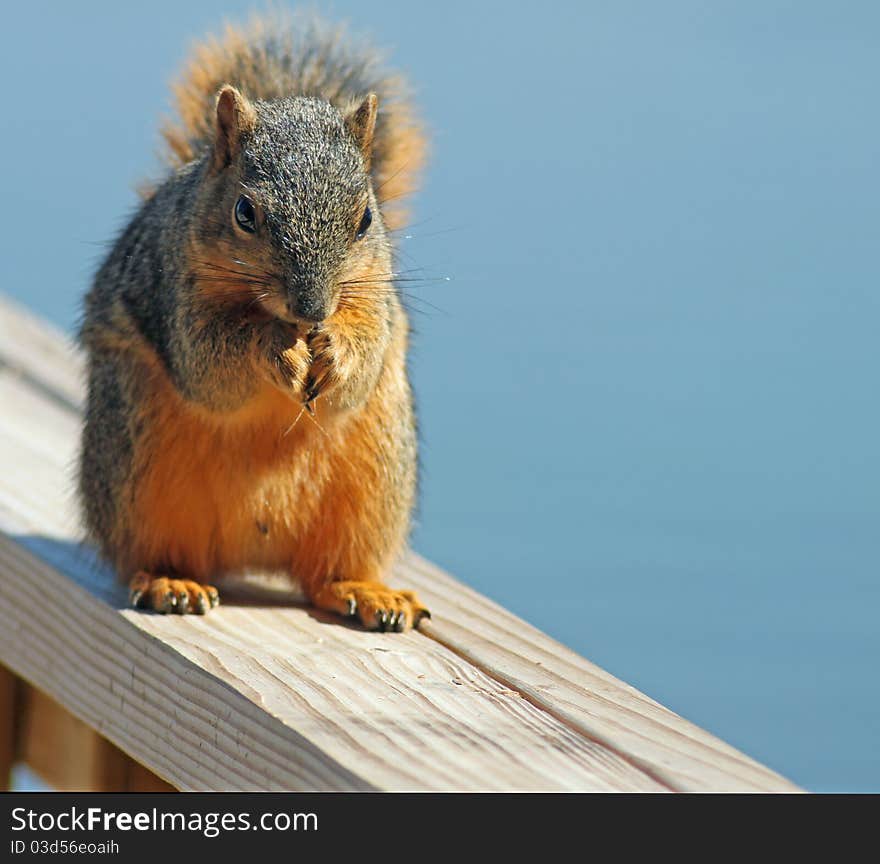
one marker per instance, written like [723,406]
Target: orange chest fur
[212,496]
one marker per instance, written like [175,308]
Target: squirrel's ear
[235,119]
[361,122]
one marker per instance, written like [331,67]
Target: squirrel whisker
[232,280]
[289,429]
[404,167]
[211,265]
[314,418]
[403,296]
[396,197]
[405,279]
[258,299]
[253,267]
[215,290]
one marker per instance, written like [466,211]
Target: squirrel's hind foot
[377,606]
[163,594]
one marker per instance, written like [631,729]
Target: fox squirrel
[248,399]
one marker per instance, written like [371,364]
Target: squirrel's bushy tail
[279,56]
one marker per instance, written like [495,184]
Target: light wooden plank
[41,353]
[624,738]
[265,698]
[586,697]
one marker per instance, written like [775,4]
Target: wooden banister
[264,693]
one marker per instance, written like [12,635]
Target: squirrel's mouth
[278,308]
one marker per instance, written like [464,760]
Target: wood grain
[677,753]
[262,695]
[42,354]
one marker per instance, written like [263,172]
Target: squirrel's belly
[208,500]
[201,514]
[201,530]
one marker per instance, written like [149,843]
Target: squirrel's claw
[312,389]
[181,602]
[377,606]
[323,373]
[310,392]
[138,586]
[165,595]
[214,596]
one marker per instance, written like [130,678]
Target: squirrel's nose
[311,305]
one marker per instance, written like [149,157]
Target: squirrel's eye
[245,215]
[365,224]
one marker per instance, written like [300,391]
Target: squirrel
[248,399]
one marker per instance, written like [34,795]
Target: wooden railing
[266,694]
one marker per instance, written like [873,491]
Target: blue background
[648,394]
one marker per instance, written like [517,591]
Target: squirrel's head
[286,213]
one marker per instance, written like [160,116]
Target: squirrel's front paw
[162,594]
[326,367]
[287,356]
